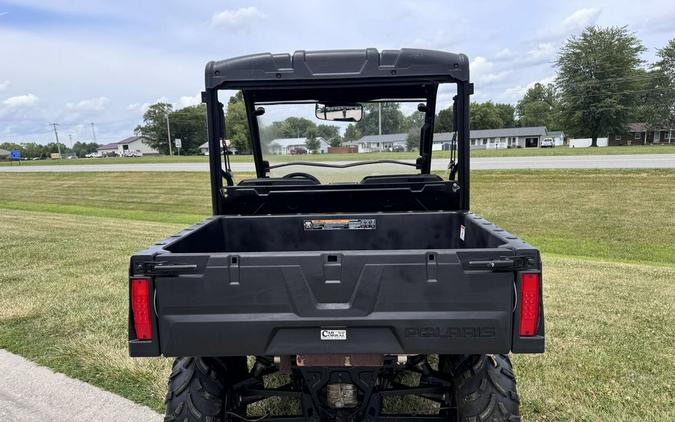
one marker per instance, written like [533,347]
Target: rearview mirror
[339,113]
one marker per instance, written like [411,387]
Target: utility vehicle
[383,299]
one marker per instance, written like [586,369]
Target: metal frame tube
[463,148]
[210,97]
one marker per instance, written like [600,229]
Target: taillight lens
[140,307]
[529,303]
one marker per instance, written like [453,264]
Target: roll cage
[332,77]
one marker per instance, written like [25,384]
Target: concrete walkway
[29,392]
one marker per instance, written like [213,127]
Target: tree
[312,142]
[657,100]
[352,133]
[485,116]
[189,125]
[330,133]
[414,121]
[296,127]
[392,119]
[507,114]
[597,81]
[412,141]
[444,121]
[236,124]
[539,107]
[84,148]
[154,126]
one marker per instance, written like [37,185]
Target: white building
[379,143]
[133,143]
[289,146]
[513,137]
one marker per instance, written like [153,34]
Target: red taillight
[529,304]
[140,306]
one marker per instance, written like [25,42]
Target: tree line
[35,150]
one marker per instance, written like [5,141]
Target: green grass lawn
[626,215]
[609,261]
[635,149]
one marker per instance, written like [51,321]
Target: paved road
[534,162]
[31,393]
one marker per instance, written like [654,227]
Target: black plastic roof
[366,66]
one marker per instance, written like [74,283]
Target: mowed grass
[626,215]
[63,304]
[609,266]
[516,152]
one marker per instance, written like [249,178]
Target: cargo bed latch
[163,269]
[504,263]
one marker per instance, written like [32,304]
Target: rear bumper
[288,334]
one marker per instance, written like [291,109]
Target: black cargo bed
[395,283]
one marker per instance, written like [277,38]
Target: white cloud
[579,20]
[542,53]
[483,71]
[3,14]
[140,108]
[187,101]
[4,85]
[236,18]
[515,93]
[21,101]
[93,104]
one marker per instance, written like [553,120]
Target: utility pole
[379,109]
[58,146]
[93,131]
[168,134]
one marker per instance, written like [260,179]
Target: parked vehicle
[343,295]
[132,153]
[547,143]
[95,154]
[398,148]
[298,151]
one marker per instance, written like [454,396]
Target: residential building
[642,134]
[289,146]
[379,143]
[513,137]
[133,143]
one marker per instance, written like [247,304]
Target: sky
[74,62]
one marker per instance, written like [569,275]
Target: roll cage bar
[335,76]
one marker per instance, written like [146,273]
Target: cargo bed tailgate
[390,301]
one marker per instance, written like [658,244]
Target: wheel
[484,387]
[198,389]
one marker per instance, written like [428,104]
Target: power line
[56,133]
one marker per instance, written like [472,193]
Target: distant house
[379,143]
[641,134]
[133,143]
[512,137]
[287,146]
